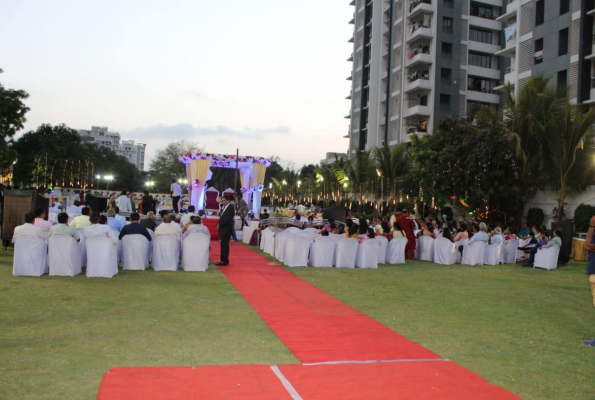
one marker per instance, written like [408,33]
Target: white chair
[83,242]
[30,256]
[520,254]
[444,251]
[135,252]
[311,230]
[102,257]
[322,251]
[547,258]
[473,253]
[395,252]
[345,253]
[265,239]
[462,242]
[282,237]
[367,254]
[426,248]
[509,249]
[492,254]
[166,253]
[195,254]
[64,256]
[382,249]
[296,251]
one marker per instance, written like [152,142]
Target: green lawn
[519,328]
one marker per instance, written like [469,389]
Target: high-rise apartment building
[416,61]
[135,153]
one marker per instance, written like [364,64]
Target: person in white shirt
[77,197]
[168,228]
[176,195]
[40,221]
[62,228]
[82,221]
[99,227]
[195,226]
[186,217]
[123,202]
[29,229]
[120,218]
[496,237]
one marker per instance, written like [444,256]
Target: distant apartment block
[135,153]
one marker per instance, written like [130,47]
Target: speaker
[566,228]
[96,203]
[339,213]
[17,203]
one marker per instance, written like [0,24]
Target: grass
[518,327]
[58,335]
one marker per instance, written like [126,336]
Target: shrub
[535,217]
[582,216]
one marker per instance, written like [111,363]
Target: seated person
[29,229]
[40,221]
[99,227]
[62,228]
[195,226]
[479,236]
[149,222]
[169,228]
[82,221]
[397,231]
[496,236]
[120,218]
[447,232]
[532,242]
[186,217]
[264,214]
[112,222]
[428,230]
[135,228]
[352,232]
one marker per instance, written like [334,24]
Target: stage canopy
[252,171]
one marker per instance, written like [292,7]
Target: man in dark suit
[225,228]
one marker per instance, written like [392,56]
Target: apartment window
[562,79]
[538,58]
[445,102]
[447,25]
[564,6]
[480,60]
[448,3]
[482,85]
[539,12]
[446,50]
[445,74]
[563,42]
[482,11]
[480,35]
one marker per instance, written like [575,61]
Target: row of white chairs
[64,256]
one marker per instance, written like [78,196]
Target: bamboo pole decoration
[64,171]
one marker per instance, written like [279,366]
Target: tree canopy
[166,166]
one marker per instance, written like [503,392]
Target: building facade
[101,136]
[416,61]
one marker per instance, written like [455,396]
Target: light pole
[108,178]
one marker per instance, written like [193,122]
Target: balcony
[485,23]
[416,126]
[418,59]
[419,29]
[418,83]
[509,50]
[483,72]
[417,7]
[510,76]
[483,97]
[592,55]
[416,110]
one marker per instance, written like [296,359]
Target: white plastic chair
[492,254]
[64,256]
[30,256]
[102,257]
[509,249]
[311,230]
[426,248]
[322,252]
[345,253]
[367,254]
[473,253]
[444,251]
[83,243]
[547,258]
[135,252]
[296,251]
[195,254]
[382,249]
[395,252]
[462,242]
[166,253]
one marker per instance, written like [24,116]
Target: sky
[265,76]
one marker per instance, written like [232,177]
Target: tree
[393,164]
[12,119]
[166,166]
[359,174]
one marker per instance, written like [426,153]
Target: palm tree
[393,165]
[358,172]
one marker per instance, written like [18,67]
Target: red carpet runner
[346,354]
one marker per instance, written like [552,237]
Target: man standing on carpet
[225,228]
[590,246]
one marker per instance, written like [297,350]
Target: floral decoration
[223,160]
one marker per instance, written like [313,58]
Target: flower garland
[223,160]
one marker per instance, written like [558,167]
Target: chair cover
[382,249]
[282,240]
[367,254]
[462,242]
[520,254]
[102,257]
[267,236]
[195,254]
[474,253]
[296,251]
[166,253]
[444,251]
[395,252]
[64,256]
[547,258]
[135,252]
[492,254]
[30,256]
[313,230]
[269,247]
[345,253]
[83,243]
[322,252]
[426,248]
[509,249]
